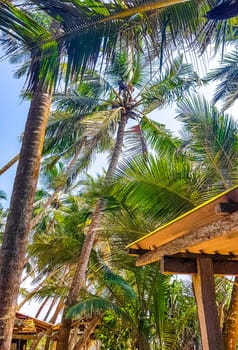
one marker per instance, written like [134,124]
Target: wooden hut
[27,328]
[202,242]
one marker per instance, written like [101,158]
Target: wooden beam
[137,252]
[220,227]
[229,207]
[24,336]
[177,265]
[204,289]
[216,256]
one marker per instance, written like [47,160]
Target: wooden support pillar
[204,289]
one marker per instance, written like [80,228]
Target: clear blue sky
[13,115]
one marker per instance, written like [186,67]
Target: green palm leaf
[212,137]
[2,195]
[88,308]
[158,137]
[36,39]
[117,284]
[227,75]
[170,87]
[158,187]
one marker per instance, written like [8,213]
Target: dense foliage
[107,66]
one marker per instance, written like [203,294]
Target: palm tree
[17,226]
[218,152]
[60,230]
[206,165]
[144,299]
[210,152]
[124,108]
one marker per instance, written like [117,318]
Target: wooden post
[204,289]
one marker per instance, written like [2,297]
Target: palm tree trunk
[82,342]
[142,344]
[79,276]
[231,323]
[9,164]
[13,249]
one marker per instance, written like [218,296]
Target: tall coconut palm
[59,231]
[150,316]
[45,53]
[210,147]
[125,107]
[17,227]
[210,152]
[218,151]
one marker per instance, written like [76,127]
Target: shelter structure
[202,242]
[27,328]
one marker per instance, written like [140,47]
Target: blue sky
[13,115]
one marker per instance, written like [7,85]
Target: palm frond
[212,136]
[2,195]
[218,33]
[158,187]
[99,122]
[160,297]
[36,39]
[134,142]
[118,287]
[158,137]
[178,79]
[227,75]
[96,305]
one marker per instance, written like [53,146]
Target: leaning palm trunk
[9,164]
[79,276]
[19,218]
[231,323]
[82,343]
[141,343]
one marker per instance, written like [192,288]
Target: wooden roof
[210,228]
[28,327]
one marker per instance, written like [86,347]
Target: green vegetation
[97,70]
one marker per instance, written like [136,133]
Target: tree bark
[82,342]
[13,249]
[79,276]
[230,332]
[9,164]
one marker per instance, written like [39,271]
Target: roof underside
[27,325]
[211,228]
